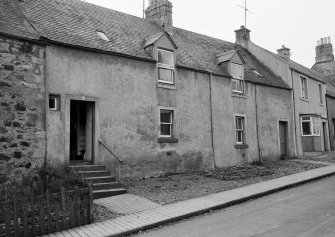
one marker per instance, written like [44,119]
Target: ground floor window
[239,128]
[310,126]
[166,123]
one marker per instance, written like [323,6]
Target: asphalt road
[305,211]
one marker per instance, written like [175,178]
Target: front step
[104,185]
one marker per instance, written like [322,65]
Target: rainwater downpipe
[211,115]
[294,117]
[258,145]
[46,108]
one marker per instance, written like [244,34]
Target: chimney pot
[160,11]
[324,51]
[284,51]
[242,36]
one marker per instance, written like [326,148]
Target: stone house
[325,65]
[79,77]
[308,100]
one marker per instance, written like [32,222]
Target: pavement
[146,215]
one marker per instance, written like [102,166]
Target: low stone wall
[22,108]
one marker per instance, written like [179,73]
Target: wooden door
[283,138]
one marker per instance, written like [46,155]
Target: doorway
[283,139]
[81,130]
[324,128]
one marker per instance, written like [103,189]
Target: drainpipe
[46,108]
[211,115]
[258,145]
[294,117]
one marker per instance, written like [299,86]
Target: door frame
[325,138]
[95,124]
[287,122]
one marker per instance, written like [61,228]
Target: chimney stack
[284,51]
[160,11]
[324,51]
[242,36]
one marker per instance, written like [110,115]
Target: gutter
[257,127]
[211,115]
[294,117]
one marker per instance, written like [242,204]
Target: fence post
[25,220]
[33,216]
[15,214]
[63,207]
[49,212]
[91,203]
[7,218]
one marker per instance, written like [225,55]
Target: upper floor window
[304,88]
[237,73]
[165,66]
[321,93]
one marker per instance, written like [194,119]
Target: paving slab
[126,204]
[154,216]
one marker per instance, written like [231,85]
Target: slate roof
[266,77]
[11,21]
[75,22]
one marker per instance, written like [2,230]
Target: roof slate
[75,22]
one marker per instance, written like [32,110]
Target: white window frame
[172,123]
[321,89]
[166,66]
[303,92]
[315,126]
[56,99]
[237,130]
[237,80]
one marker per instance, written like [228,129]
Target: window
[165,66]
[321,93]
[166,123]
[304,88]
[310,126]
[257,73]
[239,127]
[54,102]
[103,36]
[238,74]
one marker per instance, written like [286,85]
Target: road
[305,211]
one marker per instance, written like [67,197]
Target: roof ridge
[200,34]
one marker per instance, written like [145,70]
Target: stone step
[95,173]
[108,193]
[103,179]
[88,167]
[102,186]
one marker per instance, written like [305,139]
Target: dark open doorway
[283,139]
[324,127]
[81,130]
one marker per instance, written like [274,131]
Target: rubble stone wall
[22,108]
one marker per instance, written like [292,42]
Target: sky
[297,24]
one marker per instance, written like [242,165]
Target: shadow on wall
[165,162]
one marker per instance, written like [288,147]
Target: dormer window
[237,73]
[165,66]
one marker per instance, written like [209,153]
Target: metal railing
[119,161]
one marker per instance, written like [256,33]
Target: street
[305,211]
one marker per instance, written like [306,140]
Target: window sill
[239,95]
[241,146]
[306,100]
[166,86]
[167,140]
